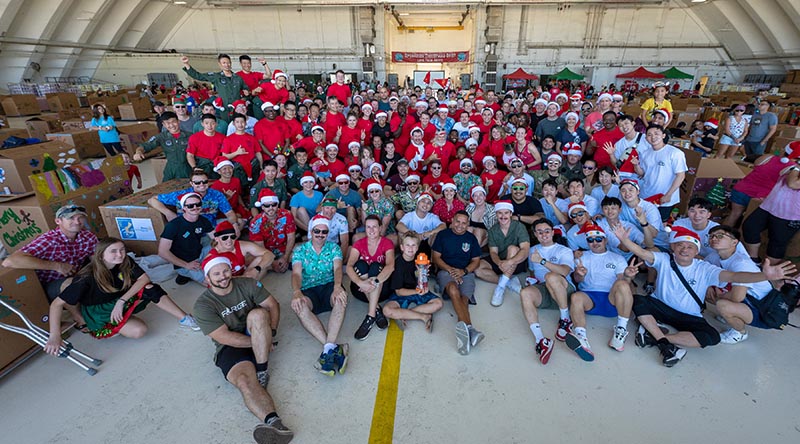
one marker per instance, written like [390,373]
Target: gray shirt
[759,126]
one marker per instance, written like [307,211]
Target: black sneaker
[364,329]
[380,320]
[272,433]
[671,354]
[644,338]
[649,288]
[182,280]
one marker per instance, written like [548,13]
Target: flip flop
[82,328]
[429,325]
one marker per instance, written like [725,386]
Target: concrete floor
[164,387]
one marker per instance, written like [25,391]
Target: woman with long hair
[107,130]
[111,289]
[734,131]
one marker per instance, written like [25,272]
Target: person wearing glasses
[274,228]
[576,236]
[616,104]
[604,281]
[185,118]
[552,172]
[173,141]
[406,200]
[185,240]
[248,259]
[213,201]
[734,131]
[466,179]
[526,208]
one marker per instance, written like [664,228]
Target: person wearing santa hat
[705,143]
[269,181]
[594,121]
[317,288]
[213,201]
[274,227]
[680,305]
[271,132]
[616,104]
[463,126]
[230,186]
[348,135]
[465,179]
[552,171]
[273,90]
[243,338]
[333,119]
[572,168]
[552,124]
[186,240]
[435,179]
[579,215]
[662,169]
[441,120]
[406,200]
[304,203]
[658,101]
[447,205]
[247,258]
[604,286]
[348,200]
[526,208]
[509,244]
[551,265]
[228,85]
[243,150]
[422,222]
[603,140]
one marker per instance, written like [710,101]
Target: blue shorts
[602,306]
[740,198]
[418,299]
[757,321]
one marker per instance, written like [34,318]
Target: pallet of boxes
[36,180]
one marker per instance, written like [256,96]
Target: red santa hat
[504,205]
[375,165]
[519,180]
[223,228]
[266,105]
[415,129]
[266,196]
[332,146]
[712,122]
[217,103]
[443,108]
[239,102]
[792,151]
[470,142]
[318,128]
[632,182]
[221,162]
[308,176]
[562,95]
[342,177]
[278,73]
[213,260]
[480,102]
[576,96]
[540,100]
[549,104]
[489,159]
[184,197]
[572,114]
[655,199]
[477,189]
[592,230]
[421,103]
[380,114]
[556,157]
[449,186]
[354,167]
[580,205]
[618,97]
[681,234]
[318,220]
[466,161]
[668,116]
[424,196]
[412,177]
[374,185]
[353,144]
[572,149]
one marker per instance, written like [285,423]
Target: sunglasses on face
[518,188]
[343,182]
[436,168]
[178,106]
[200,182]
[516,165]
[227,237]
[618,101]
[193,205]
[412,183]
[315,231]
[593,240]
[578,214]
[588,167]
[270,205]
[375,192]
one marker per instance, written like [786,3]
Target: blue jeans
[197,275]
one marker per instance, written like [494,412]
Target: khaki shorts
[548,303]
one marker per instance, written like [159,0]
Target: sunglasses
[227,237]
[73,208]
[200,182]
[578,214]
[516,165]
[178,106]
[593,240]
[412,183]
[618,101]
[375,192]
[588,167]
[343,182]
[315,231]
[738,110]
[518,188]
[270,205]
[193,205]
[436,168]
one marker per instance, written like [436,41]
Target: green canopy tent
[675,73]
[566,74]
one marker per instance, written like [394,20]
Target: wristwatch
[258,268]
[543,261]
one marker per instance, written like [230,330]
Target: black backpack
[774,308]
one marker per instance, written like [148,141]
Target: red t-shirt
[308,144]
[251,78]
[232,190]
[601,138]
[332,124]
[436,182]
[379,257]
[443,153]
[271,133]
[348,135]
[366,125]
[440,209]
[341,92]
[238,265]
[207,147]
[294,128]
[232,143]
[271,94]
[494,188]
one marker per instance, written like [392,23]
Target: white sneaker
[514,285]
[189,322]
[617,341]
[499,295]
[732,336]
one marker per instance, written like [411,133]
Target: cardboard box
[16,132]
[22,290]
[86,142]
[39,127]
[62,101]
[16,164]
[84,114]
[108,171]
[139,108]
[22,218]
[137,223]
[158,164]
[704,168]
[789,131]
[74,125]
[132,135]
[21,105]
[779,143]
[686,117]
[111,103]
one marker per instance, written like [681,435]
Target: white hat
[476,189]
[266,105]
[555,156]
[466,161]
[480,102]
[307,178]
[421,103]
[318,220]
[572,114]
[540,100]
[366,105]
[216,260]
[449,186]
[489,158]
[380,114]
[605,96]
[317,128]
[562,95]
[412,177]
[471,141]
[186,196]
[343,176]
[222,164]
[331,145]
[503,205]
[353,143]
[354,167]
[424,196]
[415,129]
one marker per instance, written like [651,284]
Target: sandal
[82,328]
[429,325]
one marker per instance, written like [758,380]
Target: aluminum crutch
[40,337]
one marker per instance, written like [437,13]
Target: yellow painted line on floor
[382,429]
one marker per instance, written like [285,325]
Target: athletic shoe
[263,378]
[273,432]
[564,328]
[380,320]
[671,354]
[326,364]
[189,322]
[182,280]
[499,295]
[649,288]
[475,336]
[543,349]
[514,285]
[732,336]
[340,357]
[365,328]
[580,345]
[617,341]
[463,337]
[644,338]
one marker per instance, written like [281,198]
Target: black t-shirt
[457,251]
[187,236]
[529,207]
[405,274]
[84,289]
[385,132]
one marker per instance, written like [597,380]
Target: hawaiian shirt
[317,268]
[381,208]
[273,234]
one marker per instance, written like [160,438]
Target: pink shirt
[783,202]
[380,253]
[762,179]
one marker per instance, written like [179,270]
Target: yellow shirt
[649,106]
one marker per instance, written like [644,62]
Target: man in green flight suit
[174,143]
[229,86]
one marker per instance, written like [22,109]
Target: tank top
[762,179]
[236,257]
[783,202]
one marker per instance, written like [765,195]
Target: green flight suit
[175,149]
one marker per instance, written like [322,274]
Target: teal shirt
[317,268]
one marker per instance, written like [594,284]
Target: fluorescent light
[180,3]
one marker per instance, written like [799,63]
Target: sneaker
[732,336]
[326,364]
[365,328]
[564,328]
[580,345]
[499,295]
[380,320]
[644,338]
[340,357]
[182,280]
[475,336]
[617,341]
[463,337]
[649,288]
[543,349]
[514,285]
[189,322]
[272,433]
[263,378]
[671,354]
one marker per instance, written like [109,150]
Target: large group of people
[545,194]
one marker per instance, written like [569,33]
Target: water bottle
[423,264]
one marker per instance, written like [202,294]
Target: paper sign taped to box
[136,228]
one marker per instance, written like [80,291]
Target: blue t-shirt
[213,201]
[106,136]
[579,136]
[352,199]
[457,251]
[309,203]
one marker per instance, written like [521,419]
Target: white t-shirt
[417,225]
[592,204]
[740,261]
[700,275]
[602,270]
[557,254]
[651,214]
[660,168]
[336,227]
[463,131]
[705,248]
[612,241]
[623,144]
[597,192]
[576,241]
[248,128]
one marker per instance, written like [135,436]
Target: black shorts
[320,297]
[230,356]
[780,231]
[522,267]
[705,334]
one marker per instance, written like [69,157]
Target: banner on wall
[430,57]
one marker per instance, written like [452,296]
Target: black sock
[262,367]
[663,342]
[270,416]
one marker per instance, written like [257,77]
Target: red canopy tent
[640,73]
[521,75]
